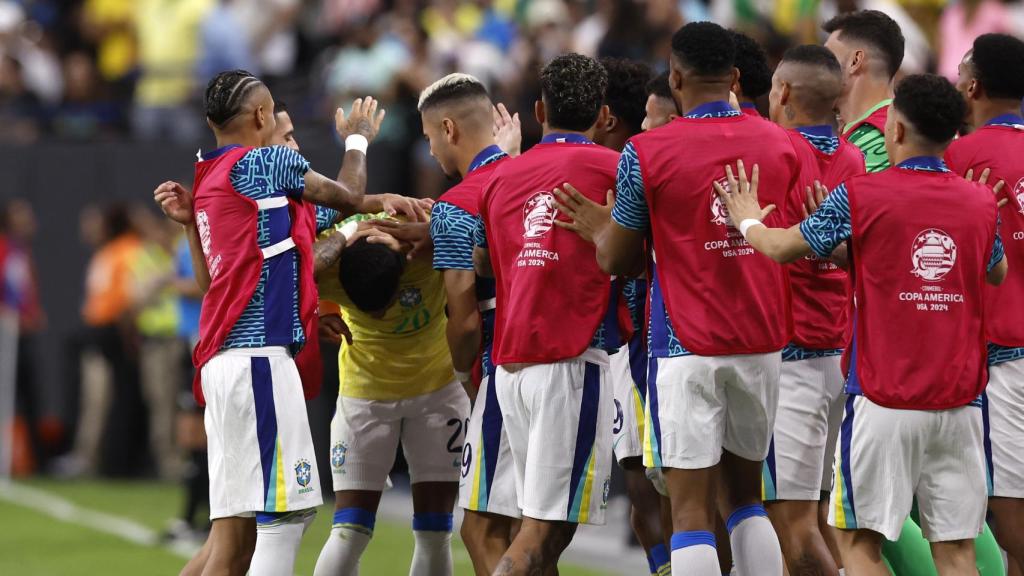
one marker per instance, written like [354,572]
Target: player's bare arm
[326,252]
[464,329]
[347,192]
[176,203]
[413,209]
[482,262]
[619,250]
[783,245]
[414,237]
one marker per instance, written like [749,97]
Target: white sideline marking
[66,511]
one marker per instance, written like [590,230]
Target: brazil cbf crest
[410,297]
[303,472]
[539,214]
[932,255]
[719,213]
[338,453]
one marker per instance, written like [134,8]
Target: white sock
[277,543]
[694,554]
[433,553]
[755,546]
[842,572]
[350,534]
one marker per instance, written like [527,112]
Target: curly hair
[932,105]
[874,28]
[752,61]
[998,62]
[226,93]
[573,88]
[705,47]
[626,95]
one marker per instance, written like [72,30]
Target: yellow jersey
[405,352]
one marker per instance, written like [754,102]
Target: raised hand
[175,201]
[588,217]
[363,119]
[815,197]
[412,237]
[983,179]
[414,209]
[741,197]
[507,130]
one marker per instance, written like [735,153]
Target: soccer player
[755,76]
[456,115]
[713,378]
[626,98]
[553,319]
[256,236]
[804,90]
[992,82]
[396,386]
[869,47]
[660,108]
[923,243]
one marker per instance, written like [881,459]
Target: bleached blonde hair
[455,85]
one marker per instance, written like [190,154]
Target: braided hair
[226,93]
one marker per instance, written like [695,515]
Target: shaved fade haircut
[998,63]
[227,93]
[456,87]
[932,106]
[817,89]
[874,28]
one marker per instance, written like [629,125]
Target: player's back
[820,289]
[921,241]
[1000,147]
[706,270]
[551,294]
[399,354]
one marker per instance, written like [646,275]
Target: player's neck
[234,138]
[803,120]
[691,99]
[983,111]
[904,153]
[864,95]
[549,129]
[469,151]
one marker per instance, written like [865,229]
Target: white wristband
[463,377]
[747,224]
[349,229]
[356,142]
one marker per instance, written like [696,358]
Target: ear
[857,61]
[606,120]
[974,90]
[734,87]
[451,130]
[538,112]
[785,94]
[899,132]
[675,79]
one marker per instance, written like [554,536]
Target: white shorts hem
[497,510]
[689,463]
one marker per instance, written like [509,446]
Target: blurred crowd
[88,69]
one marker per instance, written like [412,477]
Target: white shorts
[886,457]
[809,390]
[260,450]
[699,405]
[1004,427]
[488,482]
[558,418]
[628,421]
[365,436]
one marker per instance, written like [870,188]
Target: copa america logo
[932,254]
[539,215]
[1018,194]
[719,213]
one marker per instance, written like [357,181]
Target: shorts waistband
[263,351]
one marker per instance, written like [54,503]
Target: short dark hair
[370,273]
[812,55]
[626,96]
[451,88]
[659,86]
[226,93]
[874,28]
[280,107]
[998,61]
[573,88]
[932,105]
[705,47]
[752,61]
